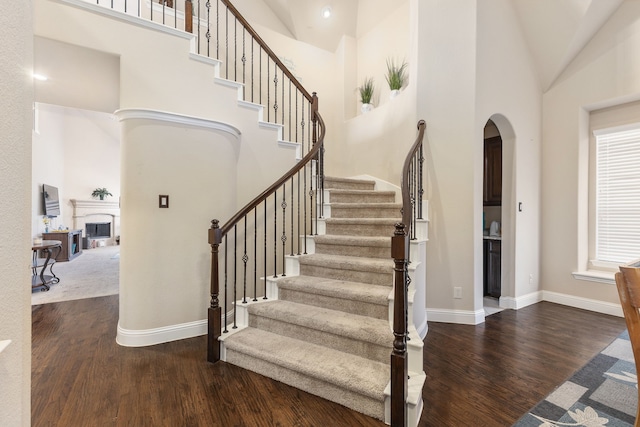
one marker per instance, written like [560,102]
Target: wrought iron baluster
[284,226]
[289,110]
[265,249]
[235,50]
[226,297]
[260,80]
[292,235]
[302,124]
[253,78]
[311,190]
[208,34]
[235,274]
[275,233]
[198,19]
[304,174]
[255,253]
[421,189]
[244,63]
[298,210]
[275,92]
[245,258]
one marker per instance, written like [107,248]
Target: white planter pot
[366,108]
[394,93]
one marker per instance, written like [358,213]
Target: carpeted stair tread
[351,372]
[367,221]
[348,183]
[360,196]
[374,265]
[360,328]
[375,241]
[354,291]
[366,210]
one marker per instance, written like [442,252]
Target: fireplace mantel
[95,204]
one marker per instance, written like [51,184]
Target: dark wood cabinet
[71,243]
[492,263]
[492,191]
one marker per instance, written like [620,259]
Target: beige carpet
[95,273]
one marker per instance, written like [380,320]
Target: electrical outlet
[457,292]
[531,278]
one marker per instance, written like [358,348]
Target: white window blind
[618,194]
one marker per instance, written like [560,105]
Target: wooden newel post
[214,311]
[188,16]
[399,365]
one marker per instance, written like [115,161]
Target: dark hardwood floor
[486,375]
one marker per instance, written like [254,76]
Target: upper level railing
[412,192]
[222,33]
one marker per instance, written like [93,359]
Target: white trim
[146,337]
[4,344]
[595,276]
[583,303]
[205,60]
[164,116]
[463,317]
[615,129]
[520,302]
[125,17]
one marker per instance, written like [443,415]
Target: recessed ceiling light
[40,77]
[326,12]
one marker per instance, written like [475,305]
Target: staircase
[327,330]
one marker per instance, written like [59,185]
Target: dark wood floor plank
[484,375]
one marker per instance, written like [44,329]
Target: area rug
[602,393]
[95,273]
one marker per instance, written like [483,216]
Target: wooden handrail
[406,198]
[266,48]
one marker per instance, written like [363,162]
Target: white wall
[76,151]
[16,87]
[446,99]
[508,85]
[164,278]
[605,73]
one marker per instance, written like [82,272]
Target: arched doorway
[497,284]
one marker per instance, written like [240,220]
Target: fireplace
[98,230]
[100,220]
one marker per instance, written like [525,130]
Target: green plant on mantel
[366,90]
[396,74]
[100,193]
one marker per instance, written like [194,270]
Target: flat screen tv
[51,200]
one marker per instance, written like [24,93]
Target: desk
[41,279]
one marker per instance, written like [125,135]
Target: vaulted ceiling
[555,30]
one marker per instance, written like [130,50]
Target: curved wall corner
[165,256]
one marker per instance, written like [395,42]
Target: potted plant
[396,76]
[101,193]
[366,94]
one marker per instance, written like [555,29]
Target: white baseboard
[463,317]
[603,307]
[146,337]
[520,302]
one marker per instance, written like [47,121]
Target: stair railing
[412,192]
[222,33]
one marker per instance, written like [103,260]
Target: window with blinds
[617,194]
